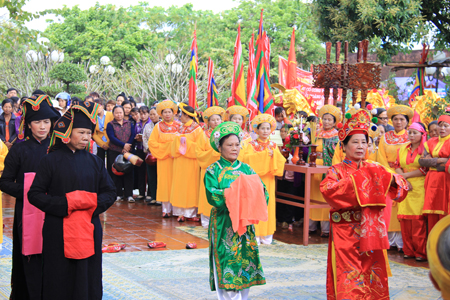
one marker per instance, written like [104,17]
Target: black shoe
[407,256]
[418,258]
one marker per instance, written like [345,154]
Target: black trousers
[286,213]
[124,183]
[140,173]
[152,180]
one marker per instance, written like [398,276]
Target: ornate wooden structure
[361,76]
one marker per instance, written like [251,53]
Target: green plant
[67,73]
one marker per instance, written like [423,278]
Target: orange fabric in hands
[77,227]
[246,202]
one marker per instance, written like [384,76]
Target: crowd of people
[387,185]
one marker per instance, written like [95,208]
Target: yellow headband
[182,107]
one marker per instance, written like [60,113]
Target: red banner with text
[305,82]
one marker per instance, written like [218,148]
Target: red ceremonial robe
[358,234]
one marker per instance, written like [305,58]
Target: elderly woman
[266,159]
[205,157]
[437,183]
[234,256]
[387,156]
[356,190]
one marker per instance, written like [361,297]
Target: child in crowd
[280,117]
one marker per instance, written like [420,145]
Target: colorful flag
[252,106]
[263,95]
[212,98]
[291,77]
[193,73]
[419,83]
[237,82]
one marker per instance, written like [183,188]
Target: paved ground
[138,223]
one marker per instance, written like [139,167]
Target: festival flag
[291,76]
[193,73]
[212,98]
[252,106]
[237,82]
[263,95]
[419,83]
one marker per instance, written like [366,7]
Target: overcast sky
[39,5]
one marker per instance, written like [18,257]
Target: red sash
[77,227]
[371,185]
[32,221]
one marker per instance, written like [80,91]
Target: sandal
[166,215]
[324,235]
[122,246]
[191,245]
[111,249]
[181,219]
[156,244]
[193,219]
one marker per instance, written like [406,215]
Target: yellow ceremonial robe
[186,171]
[3,153]
[256,154]
[159,144]
[205,157]
[329,137]
[387,156]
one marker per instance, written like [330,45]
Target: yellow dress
[411,207]
[159,144]
[331,138]
[244,142]
[186,171]
[256,154]
[3,153]
[387,156]
[205,157]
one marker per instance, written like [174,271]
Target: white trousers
[228,295]
[395,239]
[205,221]
[166,207]
[266,240]
[185,212]
[324,226]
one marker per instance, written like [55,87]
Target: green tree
[68,74]
[98,31]
[394,25]
[12,28]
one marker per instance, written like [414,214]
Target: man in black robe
[24,158]
[72,187]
